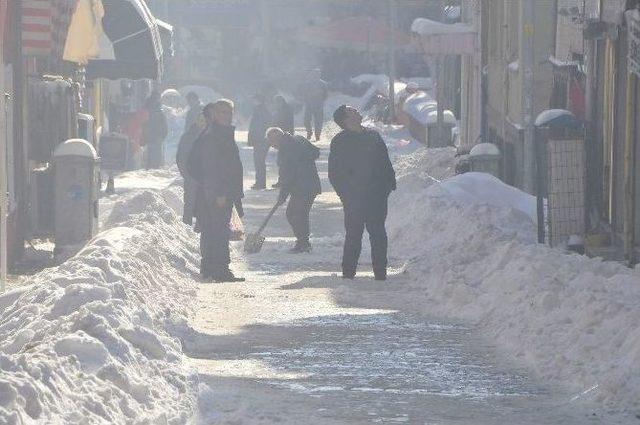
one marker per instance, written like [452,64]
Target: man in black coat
[214,163]
[155,131]
[261,120]
[299,181]
[363,177]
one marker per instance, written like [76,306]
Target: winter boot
[226,276]
[380,275]
[300,247]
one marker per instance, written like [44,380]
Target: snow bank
[86,342]
[424,26]
[472,254]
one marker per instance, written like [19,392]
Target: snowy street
[124,333]
[297,343]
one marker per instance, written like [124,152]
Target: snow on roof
[424,26]
[550,115]
[484,149]
[75,147]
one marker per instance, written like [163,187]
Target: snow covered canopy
[437,38]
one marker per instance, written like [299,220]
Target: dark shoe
[258,187]
[349,276]
[226,276]
[300,248]
[380,275]
[204,278]
[276,185]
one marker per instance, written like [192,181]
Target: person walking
[283,119]
[155,131]
[195,110]
[261,119]
[362,175]
[215,164]
[315,92]
[299,182]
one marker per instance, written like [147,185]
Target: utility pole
[527,68]
[393,24]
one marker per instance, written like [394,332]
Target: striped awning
[45,24]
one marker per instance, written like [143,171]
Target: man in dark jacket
[155,131]
[195,110]
[215,165]
[261,120]
[362,175]
[283,119]
[299,181]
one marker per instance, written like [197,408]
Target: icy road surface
[296,344]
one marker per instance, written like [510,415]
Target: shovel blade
[253,243]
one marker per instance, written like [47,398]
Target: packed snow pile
[86,342]
[472,254]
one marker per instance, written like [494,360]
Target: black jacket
[214,163]
[298,171]
[261,120]
[284,118]
[156,128]
[359,165]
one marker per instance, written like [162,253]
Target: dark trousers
[190,193]
[314,119]
[358,215]
[260,163]
[214,239]
[298,211]
[155,154]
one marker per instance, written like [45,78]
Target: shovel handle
[266,220]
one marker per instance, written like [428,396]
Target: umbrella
[132,48]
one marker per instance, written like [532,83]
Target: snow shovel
[253,241]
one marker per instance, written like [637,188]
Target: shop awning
[437,38]
[133,48]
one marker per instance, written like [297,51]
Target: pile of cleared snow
[86,342]
[472,254]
